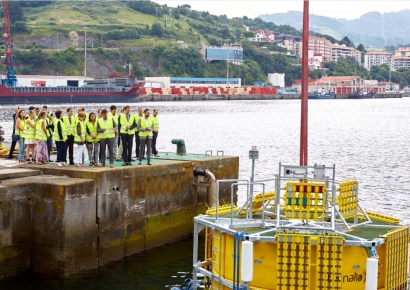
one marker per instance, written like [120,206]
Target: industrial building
[178,82]
[49,81]
[232,53]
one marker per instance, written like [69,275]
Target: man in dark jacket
[13,143]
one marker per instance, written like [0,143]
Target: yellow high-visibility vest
[77,137]
[69,127]
[93,130]
[143,124]
[109,126]
[126,123]
[40,135]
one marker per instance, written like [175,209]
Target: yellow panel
[329,262]
[348,199]
[305,200]
[293,261]
[397,250]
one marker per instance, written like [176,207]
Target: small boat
[362,95]
[321,95]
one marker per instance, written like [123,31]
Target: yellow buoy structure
[309,233]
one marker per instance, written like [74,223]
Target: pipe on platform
[181,149]
[200,171]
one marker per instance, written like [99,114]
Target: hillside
[156,40]
[373,28]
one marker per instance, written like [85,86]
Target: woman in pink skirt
[41,154]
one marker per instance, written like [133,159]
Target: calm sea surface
[367,139]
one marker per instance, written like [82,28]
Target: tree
[346,41]
[248,34]
[15,11]
[361,48]
[157,30]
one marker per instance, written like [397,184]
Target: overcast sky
[348,9]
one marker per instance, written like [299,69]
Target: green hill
[157,40]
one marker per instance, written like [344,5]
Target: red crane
[7,59]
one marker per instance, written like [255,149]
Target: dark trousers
[61,151]
[127,141]
[145,142]
[138,143]
[109,142]
[154,143]
[70,147]
[49,146]
[13,145]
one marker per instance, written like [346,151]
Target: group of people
[106,132]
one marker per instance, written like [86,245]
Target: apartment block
[320,45]
[376,58]
[338,51]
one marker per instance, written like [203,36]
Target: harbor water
[368,140]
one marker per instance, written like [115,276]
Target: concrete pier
[60,220]
[167,98]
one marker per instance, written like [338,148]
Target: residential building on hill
[401,62]
[320,45]
[403,51]
[315,60]
[291,43]
[261,35]
[338,51]
[376,58]
[402,58]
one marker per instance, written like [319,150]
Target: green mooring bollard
[181,150]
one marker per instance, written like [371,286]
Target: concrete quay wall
[61,220]
[168,98]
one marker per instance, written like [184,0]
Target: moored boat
[362,95]
[319,95]
[111,90]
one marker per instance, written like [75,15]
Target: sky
[349,9]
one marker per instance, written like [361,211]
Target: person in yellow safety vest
[80,110]
[41,154]
[106,128]
[60,137]
[126,124]
[120,155]
[50,128]
[155,120]
[145,127]
[113,114]
[92,140]
[69,123]
[79,139]
[138,116]
[20,124]
[29,135]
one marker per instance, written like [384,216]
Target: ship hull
[320,97]
[359,96]
[66,99]
[47,96]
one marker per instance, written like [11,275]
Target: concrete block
[135,238]
[112,244]
[168,228]
[14,260]
[53,261]
[11,173]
